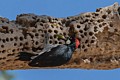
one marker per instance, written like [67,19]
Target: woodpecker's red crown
[77,43]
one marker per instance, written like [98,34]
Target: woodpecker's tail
[25,56]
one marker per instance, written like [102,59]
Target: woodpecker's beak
[60,36]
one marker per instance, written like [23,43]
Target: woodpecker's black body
[58,55]
[54,55]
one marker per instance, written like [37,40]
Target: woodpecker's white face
[68,41]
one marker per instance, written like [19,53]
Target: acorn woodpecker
[56,55]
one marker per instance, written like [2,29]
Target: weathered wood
[99,34]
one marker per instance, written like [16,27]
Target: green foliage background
[5,76]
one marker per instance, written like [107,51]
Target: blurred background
[55,8]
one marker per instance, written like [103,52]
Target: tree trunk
[98,32]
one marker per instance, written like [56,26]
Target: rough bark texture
[99,34]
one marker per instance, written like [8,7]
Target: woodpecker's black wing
[57,56]
[47,46]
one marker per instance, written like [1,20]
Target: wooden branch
[99,33]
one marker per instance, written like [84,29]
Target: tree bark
[99,34]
